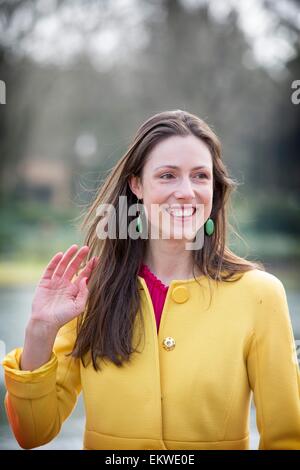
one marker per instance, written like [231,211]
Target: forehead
[186,151]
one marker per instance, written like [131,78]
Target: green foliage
[278,215]
[35,231]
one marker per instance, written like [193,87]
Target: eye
[166,174]
[202,174]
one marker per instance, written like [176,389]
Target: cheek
[206,196]
[160,194]
[156,194]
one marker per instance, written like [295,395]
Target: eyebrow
[202,167]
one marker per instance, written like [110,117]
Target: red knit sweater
[158,291]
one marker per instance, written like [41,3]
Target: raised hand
[58,297]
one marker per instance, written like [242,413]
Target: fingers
[86,272]
[74,264]
[47,274]
[82,296]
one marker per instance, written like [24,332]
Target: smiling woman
[179,195]
[167,343]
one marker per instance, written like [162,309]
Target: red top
[158,291]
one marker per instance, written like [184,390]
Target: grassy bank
[26,273]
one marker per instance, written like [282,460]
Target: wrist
[39,340]
[39,328]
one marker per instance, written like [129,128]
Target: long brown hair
[106,328]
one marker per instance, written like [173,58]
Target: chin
[187,236]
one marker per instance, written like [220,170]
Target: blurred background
[79,77]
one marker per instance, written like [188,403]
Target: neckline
[161,284]
[153,277]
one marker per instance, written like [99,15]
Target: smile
[181,212]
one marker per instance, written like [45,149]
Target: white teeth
[181,213]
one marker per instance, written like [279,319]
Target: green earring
[209,227]
[139,225]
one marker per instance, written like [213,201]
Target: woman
[174,331]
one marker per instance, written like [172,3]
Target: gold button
[180,294]
[169,343]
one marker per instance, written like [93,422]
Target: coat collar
[174,282]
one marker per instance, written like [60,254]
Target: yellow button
[180,294]
[169,343]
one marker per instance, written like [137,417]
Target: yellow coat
[194,394]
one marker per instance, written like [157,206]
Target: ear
[136,186]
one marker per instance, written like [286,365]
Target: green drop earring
[209,227]
[139,225]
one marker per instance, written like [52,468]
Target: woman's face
[176,187]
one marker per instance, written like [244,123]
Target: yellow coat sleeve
[37,402]
[273,370]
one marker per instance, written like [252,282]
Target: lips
[181,212]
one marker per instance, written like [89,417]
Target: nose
[185,189]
